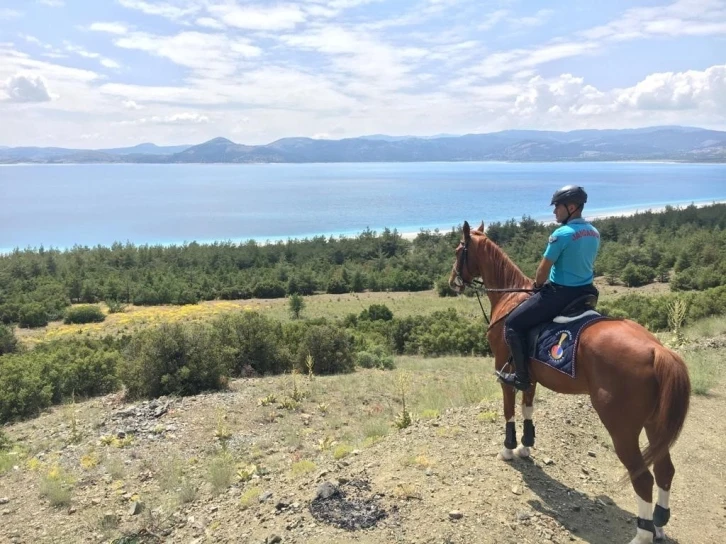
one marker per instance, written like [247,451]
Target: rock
[576,508]
[523,515]
[327,490]
[71,510]
[136,508]
[548,461]
[4,500]
[592,454]
[455,514]
[266,496]
[516,490]
[273,539]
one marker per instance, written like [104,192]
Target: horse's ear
[467,230]
[480,228]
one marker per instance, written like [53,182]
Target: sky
[110,73]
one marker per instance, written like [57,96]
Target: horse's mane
[504,269]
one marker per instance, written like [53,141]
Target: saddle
[554,342]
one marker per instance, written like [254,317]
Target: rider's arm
[543,271]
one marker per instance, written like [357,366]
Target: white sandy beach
[592,217]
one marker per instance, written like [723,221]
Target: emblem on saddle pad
[558,350]
[556,343]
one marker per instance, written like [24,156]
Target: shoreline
[627,212]
[405,234]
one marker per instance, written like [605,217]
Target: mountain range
[654,143]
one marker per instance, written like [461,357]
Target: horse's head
[465,268]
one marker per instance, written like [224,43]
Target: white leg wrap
[663,497]
[522,451]
[645,511]
[527,411]
[506,454]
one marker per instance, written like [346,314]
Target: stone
[136,508]
[327,490]
[273,539]
[4,500]
[455,514]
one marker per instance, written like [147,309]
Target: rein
[478,285]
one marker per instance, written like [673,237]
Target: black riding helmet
[569,194]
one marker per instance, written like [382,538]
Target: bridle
[477,284]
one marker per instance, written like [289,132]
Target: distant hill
[651,143]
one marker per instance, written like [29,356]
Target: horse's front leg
[528,430]
[510,433]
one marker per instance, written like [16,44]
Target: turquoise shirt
[573,248]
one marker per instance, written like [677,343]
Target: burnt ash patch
[349,506]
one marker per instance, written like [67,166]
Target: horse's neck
[498,271]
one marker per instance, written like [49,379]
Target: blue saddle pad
[557,343]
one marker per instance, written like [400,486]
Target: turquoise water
[64,205]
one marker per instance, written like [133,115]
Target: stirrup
[511,379]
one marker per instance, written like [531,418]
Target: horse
[634,382]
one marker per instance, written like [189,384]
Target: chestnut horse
[634,382]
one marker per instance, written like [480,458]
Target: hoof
[523,452]
[659,534]
[506,454]
[642,537]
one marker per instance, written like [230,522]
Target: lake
[64,205]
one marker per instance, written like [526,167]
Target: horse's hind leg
[628,451]
[528,430]
[664,472]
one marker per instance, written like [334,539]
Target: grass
[221,472]
[705,328]
[705,369]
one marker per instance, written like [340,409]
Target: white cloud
[78,50]
[109,63]
[538,19]
[6,13]
[681,18]
[52,3]
[209,22]
[679,91]
[280,17]
[212,55]
[131,105]
[661,96]
[170,10]
[176,119]
[492,19]
[111,28]
[27,88]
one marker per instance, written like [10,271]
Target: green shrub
[635,275]
[8,342]
[268,289]
[175,359]
[330,348]
[376,358]
[85,313]
[296,305]
[253,342]
[24,387]
[32,315]
[377,312]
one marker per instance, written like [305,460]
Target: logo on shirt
[558,350]
[553,239]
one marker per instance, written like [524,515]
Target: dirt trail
[438,481]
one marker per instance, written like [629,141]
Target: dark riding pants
[542,306]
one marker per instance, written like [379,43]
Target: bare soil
[436,482]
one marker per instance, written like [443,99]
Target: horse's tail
[673,400]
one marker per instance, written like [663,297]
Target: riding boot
[520,378]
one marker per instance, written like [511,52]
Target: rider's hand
[536,287]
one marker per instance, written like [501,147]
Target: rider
[564,274]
